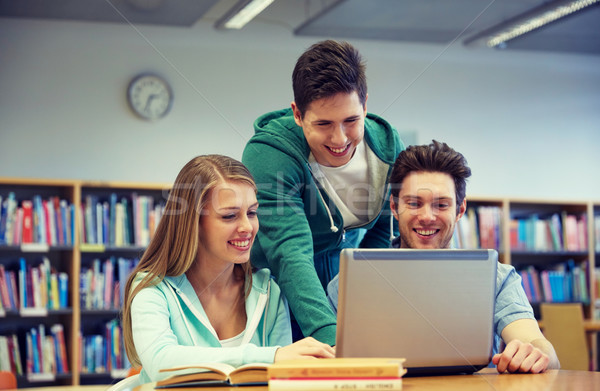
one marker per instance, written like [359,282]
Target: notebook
[433,307]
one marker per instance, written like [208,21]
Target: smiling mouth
[240,243]
[338,151]
[426,232]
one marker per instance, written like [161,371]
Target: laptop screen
[433,307]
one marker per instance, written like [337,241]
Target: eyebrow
[416,197]
[320,121]
[254,205]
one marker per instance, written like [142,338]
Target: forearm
[308,302]
[546,347]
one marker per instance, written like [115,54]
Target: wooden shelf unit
[68,259]
[71,258]
[518,207]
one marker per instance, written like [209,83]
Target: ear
[461,209]
[297,114]
[365,105]
[394,207]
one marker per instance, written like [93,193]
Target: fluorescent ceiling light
[241,13]
[528,21]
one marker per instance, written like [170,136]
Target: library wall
[527,122]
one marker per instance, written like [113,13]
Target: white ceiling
[426,21]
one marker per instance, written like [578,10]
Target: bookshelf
[126,215]
[545,240]
[80,319]
[76,259]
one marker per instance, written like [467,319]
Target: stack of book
[337,374]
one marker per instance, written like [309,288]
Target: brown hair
[325,69]
[435,157]
[174,246]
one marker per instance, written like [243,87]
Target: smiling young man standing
[322,169]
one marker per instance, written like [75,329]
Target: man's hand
[305,348]
[521,357]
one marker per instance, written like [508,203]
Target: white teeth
[425,232]
[240,243]
[338,150]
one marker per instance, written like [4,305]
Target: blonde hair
[173,249]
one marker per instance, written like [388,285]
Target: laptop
[433,307]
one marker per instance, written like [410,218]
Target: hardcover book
[338,368]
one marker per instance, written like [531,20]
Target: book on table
[337,374]
[214,374]
[336,383]
[338,367]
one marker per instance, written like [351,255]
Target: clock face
[150,96]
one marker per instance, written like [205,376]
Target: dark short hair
[435,157]
[325,69]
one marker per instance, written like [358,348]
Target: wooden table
[487,379]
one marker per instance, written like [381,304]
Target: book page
[216,367]
[250,373]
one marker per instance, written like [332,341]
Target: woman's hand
[305,348]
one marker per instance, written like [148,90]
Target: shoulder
[278,129]
[158,284]
[380,135]
[505,272]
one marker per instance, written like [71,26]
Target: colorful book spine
[63,290]
[57,331]
[27,232]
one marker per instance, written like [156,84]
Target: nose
[338,135]
[245,225]
[426,214]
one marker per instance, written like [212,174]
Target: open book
[214,374]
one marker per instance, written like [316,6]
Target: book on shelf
[119,223]
[100,284]
[103,353]
[10,355]
[214,374]
[562,282]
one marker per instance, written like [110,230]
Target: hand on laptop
[305,348]
[522,357]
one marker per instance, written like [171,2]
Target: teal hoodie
[300,227]
[171,329]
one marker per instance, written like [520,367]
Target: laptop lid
[433,307]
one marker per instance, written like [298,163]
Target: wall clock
[150,96]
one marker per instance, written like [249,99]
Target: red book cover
[4,289]
[60,237]
[11,353]
[27,206]
[48,238]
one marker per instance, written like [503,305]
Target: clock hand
[151,97]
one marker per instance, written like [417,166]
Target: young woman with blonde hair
[194,297]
